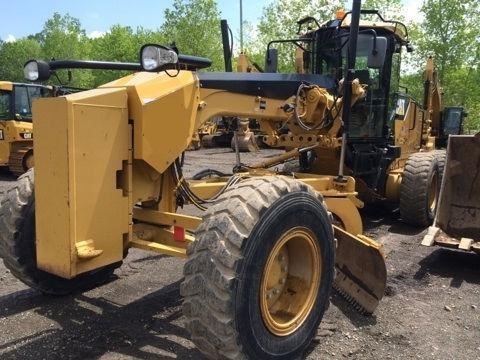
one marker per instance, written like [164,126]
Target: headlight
[153,57]
[36,70]
[30,70]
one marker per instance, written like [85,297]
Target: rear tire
[17,244]
[419,189]
[259,274]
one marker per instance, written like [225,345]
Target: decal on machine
[26,135]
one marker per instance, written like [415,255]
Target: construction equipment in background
[217,132]
[230,131]
[390,143]
[260,262]
[457,222]
[16,130]
[227,131]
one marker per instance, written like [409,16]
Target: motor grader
[392,144]
[16,130]
[108,176]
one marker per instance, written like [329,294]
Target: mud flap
[361,271]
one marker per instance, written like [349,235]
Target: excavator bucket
[457,222]
[361,271]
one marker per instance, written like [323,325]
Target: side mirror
[36,70]
[271,61]
[376,57]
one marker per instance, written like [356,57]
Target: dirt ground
[431,309]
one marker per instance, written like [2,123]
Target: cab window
[5,97]
[24,96]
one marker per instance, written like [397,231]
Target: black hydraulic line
[348,79]
[227,49]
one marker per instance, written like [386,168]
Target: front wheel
[259,274]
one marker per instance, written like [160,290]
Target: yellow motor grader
[16,130]
[263,258]
[391,144]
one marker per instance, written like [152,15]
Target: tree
[290,12]
[451,33]
[62,37]
[13,55]
[186,21]
[279,21]
[389,9]
[446,32]
[120,44]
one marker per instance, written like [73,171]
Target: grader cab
[393,143]
[263,258]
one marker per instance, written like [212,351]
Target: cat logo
[26,135]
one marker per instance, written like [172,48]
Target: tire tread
[210,269]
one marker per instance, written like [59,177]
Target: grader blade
[361,271]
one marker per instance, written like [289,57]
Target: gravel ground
[431,309]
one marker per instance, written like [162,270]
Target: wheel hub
[291,281]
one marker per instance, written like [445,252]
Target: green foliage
[62,37]
[451,33]
[413,84]
[445,32]
[120,44]
[13,56]
[279,21]
[290,11]
[194,27]
[389,9]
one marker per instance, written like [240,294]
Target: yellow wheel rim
[290,281]
[432,194]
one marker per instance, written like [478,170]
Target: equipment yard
[431,308]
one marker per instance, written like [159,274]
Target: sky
[25,17]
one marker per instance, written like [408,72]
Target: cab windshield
[5,108]
[24,95]
[368,114]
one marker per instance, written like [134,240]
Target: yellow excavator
[263,258]
[16,130]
